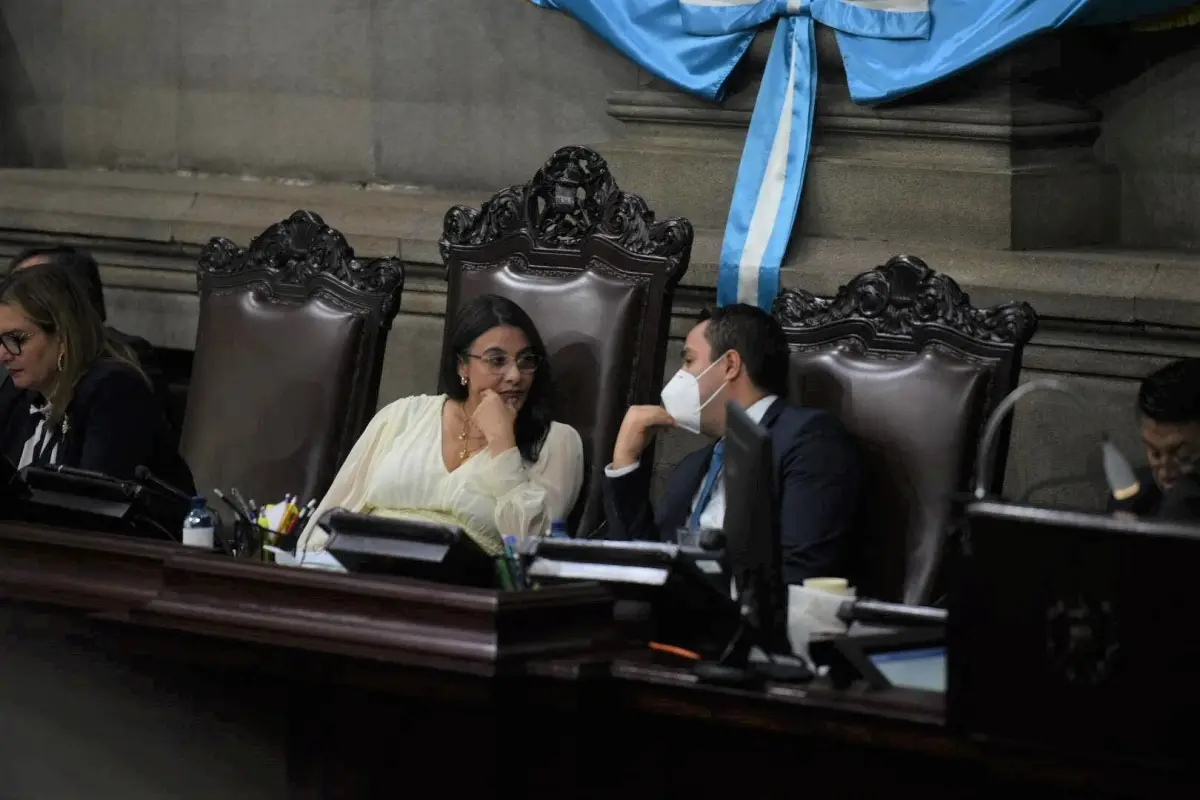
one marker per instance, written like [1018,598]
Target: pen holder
[249,538]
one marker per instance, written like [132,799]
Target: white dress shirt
[42,438]
[713,516]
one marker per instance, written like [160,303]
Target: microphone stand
[159,493]
[1122,482]
[144,475]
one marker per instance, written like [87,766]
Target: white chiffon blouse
[396,470]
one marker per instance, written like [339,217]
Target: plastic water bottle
[198,525]
[558,529]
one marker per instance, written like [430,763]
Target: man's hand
[635,433]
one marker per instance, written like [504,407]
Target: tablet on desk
[884,658]
[918,668]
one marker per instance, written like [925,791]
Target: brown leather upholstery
[913,370]
[596,273]
[288,357]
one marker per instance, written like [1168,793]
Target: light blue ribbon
[966,32]
[766,195]
[889,48]
[695,44]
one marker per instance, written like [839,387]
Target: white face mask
[681,398]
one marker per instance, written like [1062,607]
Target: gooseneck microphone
[80,473]
[1118,474]
[145,476]
[894,614]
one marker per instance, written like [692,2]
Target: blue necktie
[710,481]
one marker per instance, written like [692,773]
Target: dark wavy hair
[1172,394]
[478,317]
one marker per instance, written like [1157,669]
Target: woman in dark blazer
[78,397]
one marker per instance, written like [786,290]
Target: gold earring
[62,360]
[462,379]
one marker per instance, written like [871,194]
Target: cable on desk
[675,651]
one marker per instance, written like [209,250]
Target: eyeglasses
[527,363]
[1182,460]
[13,341]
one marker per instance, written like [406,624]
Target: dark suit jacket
[114,424]
[147,359]
[818,480]
[1180,504]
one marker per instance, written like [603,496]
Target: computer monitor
[752,540]
[1076,631]
[408,549]
[682,593]
[85,500]
[11,485]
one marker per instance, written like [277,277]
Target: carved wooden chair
[289,351]
[913,370]
[596,272]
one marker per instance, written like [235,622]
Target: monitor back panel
[1076,631]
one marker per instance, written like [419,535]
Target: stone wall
[453,93]
[380,115]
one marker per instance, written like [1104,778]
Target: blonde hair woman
[80,399]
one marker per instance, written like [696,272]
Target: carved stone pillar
[982,161]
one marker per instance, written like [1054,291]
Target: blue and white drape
[889,47]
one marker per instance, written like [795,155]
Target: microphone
[1118,474]
[144,475]
[81,473]
[894,614]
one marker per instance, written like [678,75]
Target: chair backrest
[913,370]
[596,273]
[289,351]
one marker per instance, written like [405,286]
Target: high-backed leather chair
[596,273]
[289,351]
[913,370]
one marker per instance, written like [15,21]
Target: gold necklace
[465,450]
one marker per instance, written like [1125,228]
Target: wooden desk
[383,683]
[866,742]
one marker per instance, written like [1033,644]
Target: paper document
[317,559]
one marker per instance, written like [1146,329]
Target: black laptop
[1076,631]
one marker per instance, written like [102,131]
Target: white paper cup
[830,585]
[812,611]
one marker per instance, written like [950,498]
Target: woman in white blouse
[484,456]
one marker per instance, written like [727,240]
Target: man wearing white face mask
[739,353]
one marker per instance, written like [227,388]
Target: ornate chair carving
[913,369]
[596,272]
[289,351]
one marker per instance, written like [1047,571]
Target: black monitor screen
[751,527]
[407,548]
[89,501]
